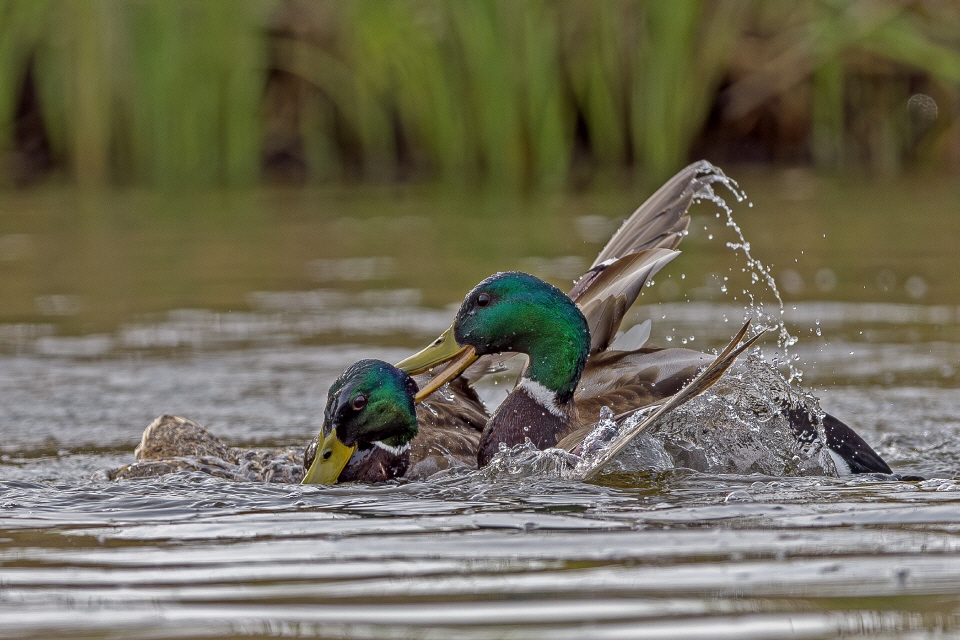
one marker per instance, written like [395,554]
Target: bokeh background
[195,154]
[557,92]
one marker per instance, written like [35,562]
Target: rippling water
[474,554]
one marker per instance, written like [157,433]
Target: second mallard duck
[374,429]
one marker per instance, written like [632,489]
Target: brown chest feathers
[526,414]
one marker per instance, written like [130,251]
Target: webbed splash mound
[171,443]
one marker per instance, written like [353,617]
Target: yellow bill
[443,349]
[440,350]
[332,456]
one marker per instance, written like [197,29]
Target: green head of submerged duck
[375,428]
[369,421]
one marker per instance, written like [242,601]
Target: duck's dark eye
[359,402]
[483,299]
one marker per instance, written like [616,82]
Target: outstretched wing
[611,293]
[661,221]
[642,245]
[706,379]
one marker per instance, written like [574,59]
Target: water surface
[238,310]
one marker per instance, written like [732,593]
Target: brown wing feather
[624,380]
[448,433]
[661,221]
[613,291]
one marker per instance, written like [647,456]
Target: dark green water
[238,309]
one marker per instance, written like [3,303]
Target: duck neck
[556,362]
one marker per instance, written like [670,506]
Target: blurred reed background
[532,92]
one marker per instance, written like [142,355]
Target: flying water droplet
[758,271]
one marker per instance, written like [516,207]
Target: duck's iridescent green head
[514,311]
[371,403]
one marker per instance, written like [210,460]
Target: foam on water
[526,461]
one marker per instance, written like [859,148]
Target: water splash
[526,461]
[644,454]
[753,421]
[758,271]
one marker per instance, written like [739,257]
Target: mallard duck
[569,378]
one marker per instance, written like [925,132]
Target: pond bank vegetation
[541,92]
